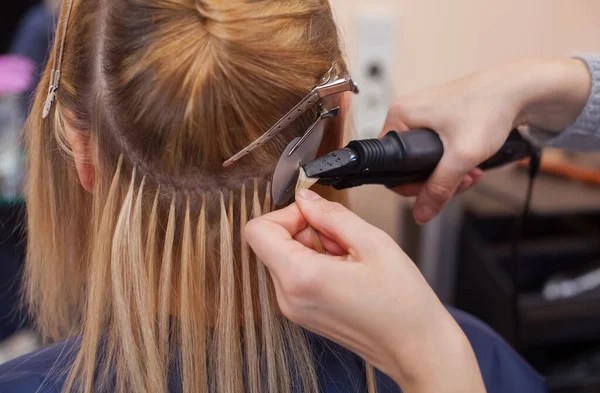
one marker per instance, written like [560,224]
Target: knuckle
[439,192]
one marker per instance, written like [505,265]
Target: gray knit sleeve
[584,134]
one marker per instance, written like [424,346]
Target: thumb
[441,186]
[339,224]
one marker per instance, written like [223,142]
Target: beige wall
[443,39]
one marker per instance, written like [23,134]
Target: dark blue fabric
[42,371]
[502,368]
[339,370]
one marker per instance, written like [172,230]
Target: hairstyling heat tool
[399,158]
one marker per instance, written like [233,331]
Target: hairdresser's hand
[368,295]
[475,114]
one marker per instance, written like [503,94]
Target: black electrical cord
[534,167]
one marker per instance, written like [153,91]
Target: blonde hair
[150,270]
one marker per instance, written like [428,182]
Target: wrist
[441,361]
[551,93]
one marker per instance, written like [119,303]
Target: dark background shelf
[553,335]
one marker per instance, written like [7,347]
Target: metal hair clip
[57,58]
[332,83]
[323,115]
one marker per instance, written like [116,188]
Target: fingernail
[308,195]
[423,214]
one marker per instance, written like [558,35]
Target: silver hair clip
[332,83]
[323,115]
[57,58]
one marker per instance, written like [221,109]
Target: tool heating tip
[333,164]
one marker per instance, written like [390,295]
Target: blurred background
[26,28]
[548,308]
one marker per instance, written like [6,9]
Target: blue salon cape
[339,371]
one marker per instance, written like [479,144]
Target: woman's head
[179,86]
[134,224]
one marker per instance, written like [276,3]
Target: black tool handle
[409,157]
[409,151]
